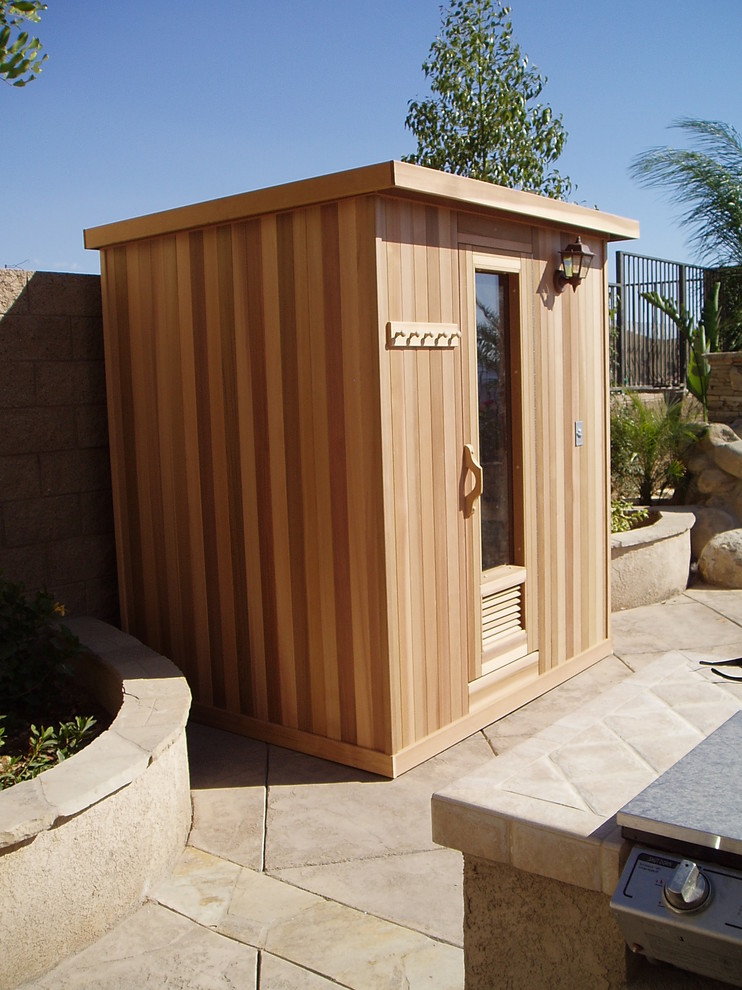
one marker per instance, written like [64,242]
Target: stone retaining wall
[651,563]
[725,387]
[82,844]
[56,518]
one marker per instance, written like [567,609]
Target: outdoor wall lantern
[576,260]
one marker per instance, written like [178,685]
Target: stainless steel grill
[679,899]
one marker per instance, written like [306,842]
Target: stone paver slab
[200,887]
[651,628]
[335,941]
[364,952]
[321,813]
[278,974]
[156,948]
[422,891]
[260,903]
[228,777]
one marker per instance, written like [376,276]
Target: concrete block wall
[56,519]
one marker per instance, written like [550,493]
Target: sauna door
[493,464]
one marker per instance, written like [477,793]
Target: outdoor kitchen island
[543,852]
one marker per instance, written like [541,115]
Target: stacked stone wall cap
[728,457]
[720,563]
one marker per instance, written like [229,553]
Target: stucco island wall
[568,939]
[81,845]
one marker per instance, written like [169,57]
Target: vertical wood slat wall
[243,367]
[288,488]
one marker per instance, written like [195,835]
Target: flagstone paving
[301,873]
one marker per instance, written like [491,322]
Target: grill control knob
[689,889]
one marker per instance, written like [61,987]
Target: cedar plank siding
[289,488]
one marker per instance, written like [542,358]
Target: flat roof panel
[385,177]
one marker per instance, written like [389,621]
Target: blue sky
[146,106]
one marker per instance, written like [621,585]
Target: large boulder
[728,457]
[710,521]
[720,562]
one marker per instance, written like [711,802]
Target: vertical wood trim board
[422,440]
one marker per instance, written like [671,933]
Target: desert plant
[648,440]
[702,337]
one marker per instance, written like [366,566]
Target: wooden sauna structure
[299,383]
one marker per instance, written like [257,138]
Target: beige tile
[605,771]
[651,728]
[614,851]
[152,949]
[200,887]
[421,891]
[649,668]
[470,829]
[452,763]
[556,705]
[486,805]
[547,853]
[545,781]
[224,759]
[24,811]
[108,763]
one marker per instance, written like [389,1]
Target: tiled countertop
[548,806]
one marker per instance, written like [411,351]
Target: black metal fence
[646,348]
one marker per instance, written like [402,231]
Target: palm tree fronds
[708,181]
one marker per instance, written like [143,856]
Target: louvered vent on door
[502,617]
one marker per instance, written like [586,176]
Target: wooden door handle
[472,465]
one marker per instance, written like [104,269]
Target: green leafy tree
[706,180]
[19,52]
[483,118]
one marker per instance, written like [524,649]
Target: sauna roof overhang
[397,178]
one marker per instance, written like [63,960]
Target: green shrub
[35,679]
[35,649]
[46,747]
[625,516]
[648,440]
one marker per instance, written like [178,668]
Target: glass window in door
[495,444]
